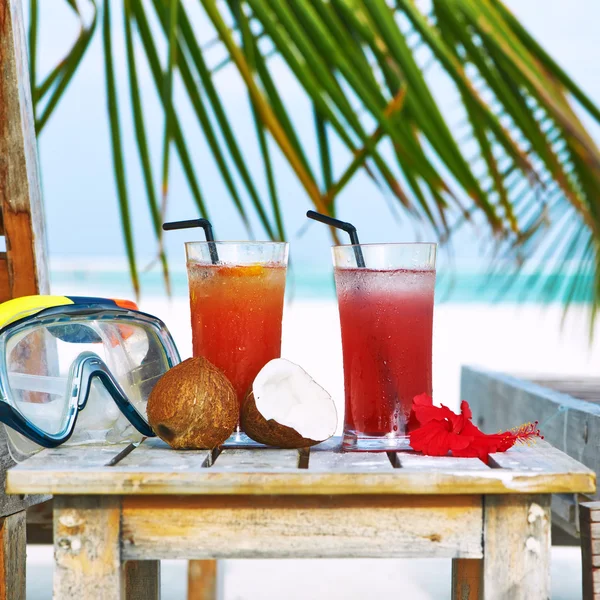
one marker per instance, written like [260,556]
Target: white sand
[354,579]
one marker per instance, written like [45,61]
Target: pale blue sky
[79,192]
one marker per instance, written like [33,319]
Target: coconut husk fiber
[193,406]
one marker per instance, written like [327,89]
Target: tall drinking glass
[236,302]
[386,318]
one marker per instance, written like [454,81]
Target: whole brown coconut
[193,406]
[270,432]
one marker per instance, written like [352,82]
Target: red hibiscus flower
[437,431]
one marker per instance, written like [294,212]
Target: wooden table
[116,504]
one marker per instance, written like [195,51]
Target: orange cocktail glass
[237,305]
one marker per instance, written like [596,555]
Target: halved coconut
[287,408]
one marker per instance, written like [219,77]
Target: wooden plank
[73,457]
[516,548]
[142,580]
[154,454]
[500,401]
[204,580]
[329,457]
[467,579]
[412,461]
[565,514]
[271,459]
[71,480]
[363,462]
[301,527]
[590,511]
[39,523]
[12,557]
[539,458]
[20,190]
[87,554]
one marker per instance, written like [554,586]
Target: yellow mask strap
[28,305]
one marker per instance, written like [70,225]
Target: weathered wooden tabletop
[154,468]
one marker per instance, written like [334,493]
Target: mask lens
[136,357]
[37,380]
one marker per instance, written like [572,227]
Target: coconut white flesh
[286,393]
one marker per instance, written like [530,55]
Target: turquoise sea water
[451,287]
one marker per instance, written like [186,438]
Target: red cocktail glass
[386,318]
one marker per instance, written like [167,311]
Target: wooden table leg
[203,580]
[516,547]
[142,579]
[87,549]
[12,557]
[466,579]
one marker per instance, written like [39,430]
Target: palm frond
[142,141]
[115,132]
[518,159]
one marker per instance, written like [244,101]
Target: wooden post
[516,547]
[142,580]
[203,580]
[87,548]
[12,557]
[466,579]
[23,266]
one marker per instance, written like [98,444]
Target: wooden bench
[119,510]
[569,414]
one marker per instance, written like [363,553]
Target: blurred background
[517,232]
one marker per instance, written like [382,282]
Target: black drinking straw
[344,226]
[208,232]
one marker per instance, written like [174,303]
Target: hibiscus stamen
[527,433]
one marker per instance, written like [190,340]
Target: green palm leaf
[142,141]
[115,132]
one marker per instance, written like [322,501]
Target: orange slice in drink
[242,270]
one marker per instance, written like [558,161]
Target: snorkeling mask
[60,355]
